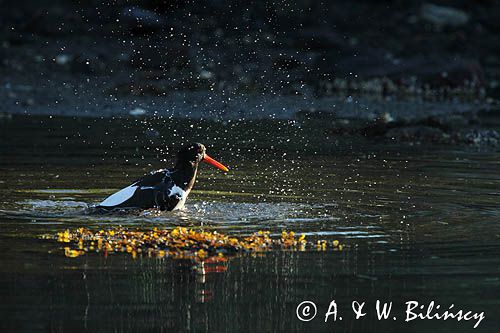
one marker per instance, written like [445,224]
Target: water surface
[418,223]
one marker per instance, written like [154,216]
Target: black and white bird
[164,189]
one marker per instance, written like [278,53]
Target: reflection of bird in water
[205,267]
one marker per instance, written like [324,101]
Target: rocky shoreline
[404,72]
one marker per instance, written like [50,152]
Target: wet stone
[443,15]
[141,20]
[416,133]
[478,137]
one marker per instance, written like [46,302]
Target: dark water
[418,223]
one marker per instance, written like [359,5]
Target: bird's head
[196,153]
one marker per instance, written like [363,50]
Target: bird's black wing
[157,186]
[153,179]
[142,193]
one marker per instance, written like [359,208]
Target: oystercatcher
[164,189]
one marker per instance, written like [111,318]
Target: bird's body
[156,190]
[164,189]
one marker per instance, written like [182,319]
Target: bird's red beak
[215,163]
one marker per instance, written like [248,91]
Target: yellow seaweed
[181,242]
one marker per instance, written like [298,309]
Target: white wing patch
[178,192]
[119,197]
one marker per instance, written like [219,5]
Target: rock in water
[443,16]
[137,112]
[480,137]
[416,133]
[140,19]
